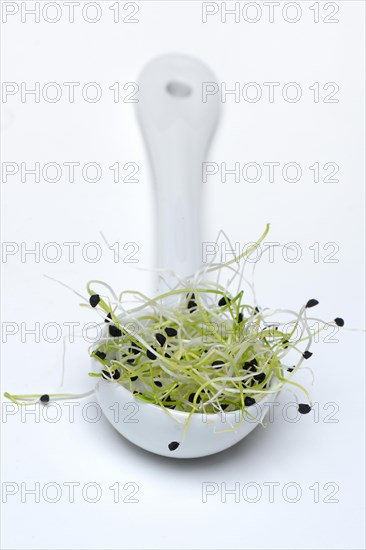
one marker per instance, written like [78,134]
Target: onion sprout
[198,348]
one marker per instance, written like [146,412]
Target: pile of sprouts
[200,347]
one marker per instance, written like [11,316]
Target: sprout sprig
[198,347]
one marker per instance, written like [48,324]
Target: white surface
[170,512]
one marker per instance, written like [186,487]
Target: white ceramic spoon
[177,127]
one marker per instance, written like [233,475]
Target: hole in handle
[178,89]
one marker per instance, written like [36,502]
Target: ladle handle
[177,125]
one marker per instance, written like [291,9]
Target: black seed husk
[191,398]
[94,300]
[160,338]
[304,408]
[114,331]
[312,303]
[150,354]
[252,368]
[218,363]
[249,401]
[135,349]
[224,301]
[171,331]
[168,403]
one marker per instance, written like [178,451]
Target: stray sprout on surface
[200,347]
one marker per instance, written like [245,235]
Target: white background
[170,512]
